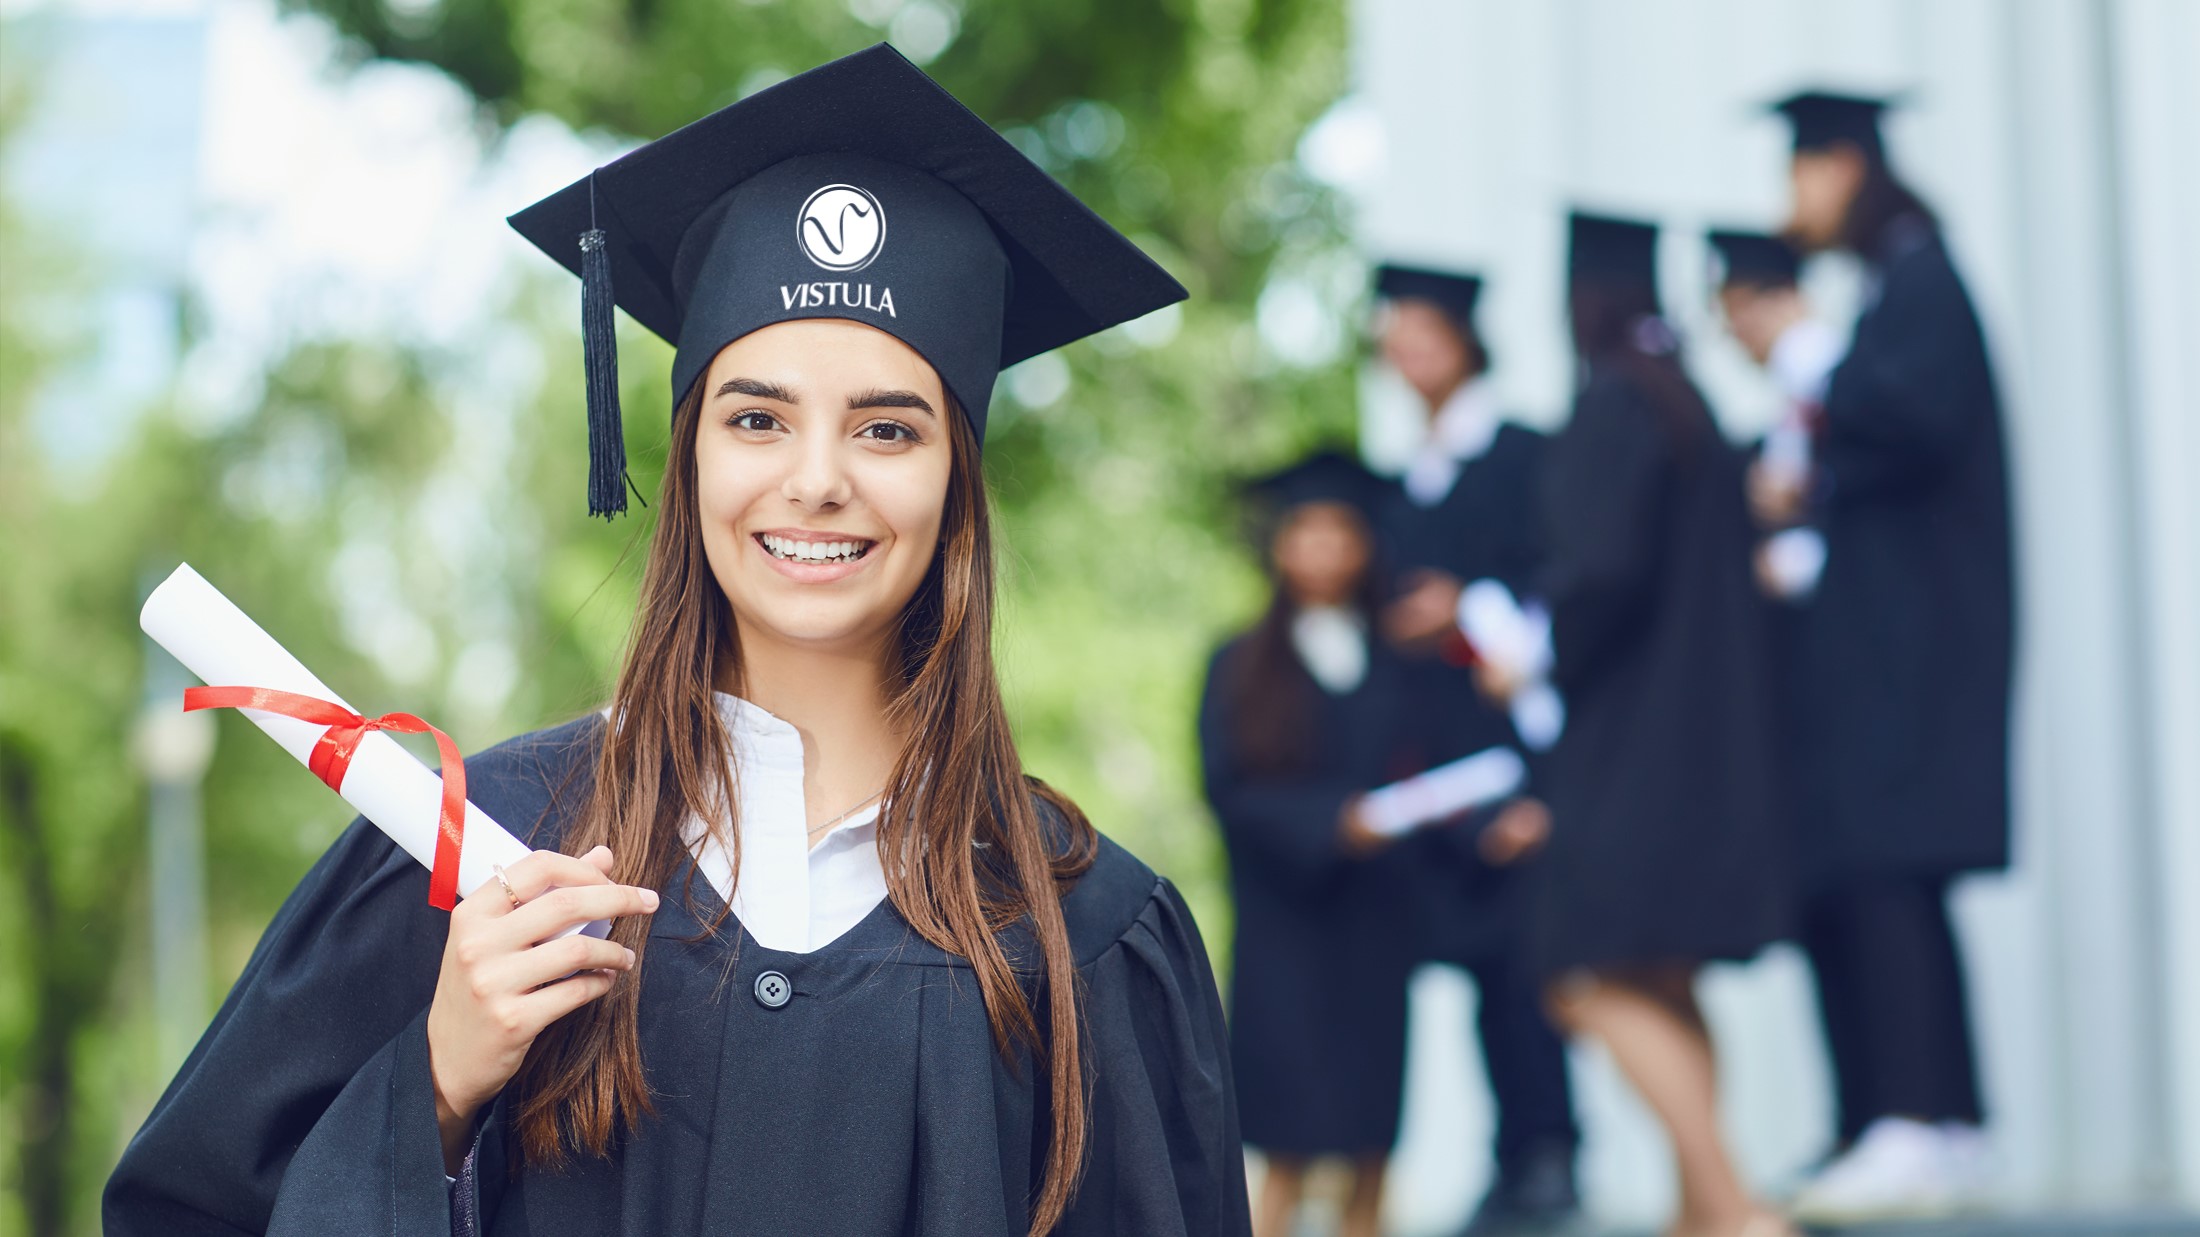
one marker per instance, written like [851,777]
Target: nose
[819,480]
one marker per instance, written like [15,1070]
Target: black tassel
[607,480]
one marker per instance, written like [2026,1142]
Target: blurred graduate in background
[1757,277]
[1301,716]
[1666,851]
[1467,513]
[1905,655]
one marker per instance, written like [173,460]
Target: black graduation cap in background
[1824,118]
[861,190]
[1755,259]
[1331,475]
[1454,293]
[1612,250]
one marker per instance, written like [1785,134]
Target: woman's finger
[536,874]
[548,1004]
[553,960]
[560,908]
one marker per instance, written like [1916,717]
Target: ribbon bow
[331,759]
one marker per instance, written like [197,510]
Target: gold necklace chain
[860,804]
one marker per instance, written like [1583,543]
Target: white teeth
[812,551]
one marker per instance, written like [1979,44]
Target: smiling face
[822,460]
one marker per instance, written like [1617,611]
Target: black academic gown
[872,1102]
[1906,647]
[1666,844]
[1318,977]
[1487,527]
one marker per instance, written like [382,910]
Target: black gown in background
[1488,526]
[1468,912]
[1906,647]
[1318,977]
[1666,845]
[872,1102]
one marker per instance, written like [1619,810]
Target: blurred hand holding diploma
[1513,644]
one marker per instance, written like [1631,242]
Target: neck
[836,699]
[1437,401]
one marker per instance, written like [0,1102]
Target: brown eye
[889,431]
[754,419]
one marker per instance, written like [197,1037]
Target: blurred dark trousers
[1890,992]
[1526,1062]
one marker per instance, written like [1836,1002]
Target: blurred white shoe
[1970,1163]
[1899,1170]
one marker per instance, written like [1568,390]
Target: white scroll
[390,787]
[1516,639]
[1443,792]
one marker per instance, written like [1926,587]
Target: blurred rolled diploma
[1517,640]
[390,787]
[1444,791]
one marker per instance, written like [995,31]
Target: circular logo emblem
[841,227]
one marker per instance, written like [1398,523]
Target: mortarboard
[1329,476]
[859,190]
[1824,118]
[1610,250]
[1455,294]
[1756,259]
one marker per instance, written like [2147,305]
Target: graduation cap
[1455,294]
[859,190]
[1825,118]
[1328,476]
[1611,250]
[1754,259]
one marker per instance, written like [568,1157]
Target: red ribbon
[331,759]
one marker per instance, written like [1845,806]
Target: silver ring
[497,870]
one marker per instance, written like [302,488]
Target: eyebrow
[892,399]
[757,388]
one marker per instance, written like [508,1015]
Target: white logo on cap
[841,227]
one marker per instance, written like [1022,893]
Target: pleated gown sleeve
[306,1106]
[1607,488]
[1163,1156]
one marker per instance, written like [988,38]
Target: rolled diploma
[391,788]
[1444,791]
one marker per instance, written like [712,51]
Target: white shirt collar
[1459,433]
[1332,644]
[791,896]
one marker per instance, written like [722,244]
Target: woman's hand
[1519,831]
[504,980]
[1355,835]
[1428,609]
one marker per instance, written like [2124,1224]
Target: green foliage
[446,489]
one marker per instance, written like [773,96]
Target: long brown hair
[1270,692]
[958,792]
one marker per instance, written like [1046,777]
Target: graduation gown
[1319,959]
[1665,841]
[873,1101]
[1489,526]
[1906,647]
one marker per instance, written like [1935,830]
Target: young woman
[865,976]
[1301,715]
[1904,659]
[1664,853]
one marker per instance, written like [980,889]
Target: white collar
[1331,642]
[1462,429]
[791,896]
